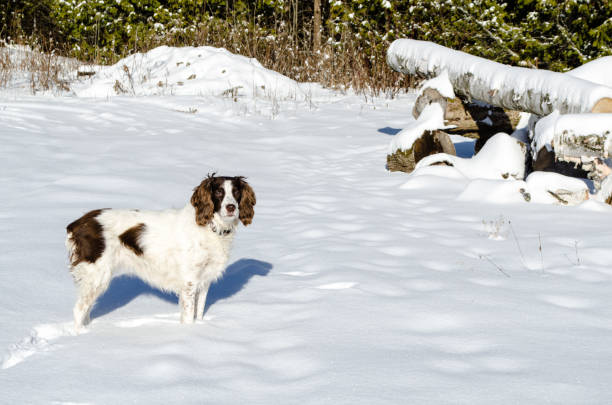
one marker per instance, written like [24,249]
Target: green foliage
[23,20]
[552,34]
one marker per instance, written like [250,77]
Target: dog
[178,250]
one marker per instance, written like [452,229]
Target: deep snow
[353,285]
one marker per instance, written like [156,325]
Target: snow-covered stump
[514,88]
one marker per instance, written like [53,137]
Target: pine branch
[496,38]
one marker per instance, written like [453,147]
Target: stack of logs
[470,119]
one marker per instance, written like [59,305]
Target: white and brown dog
[181,251]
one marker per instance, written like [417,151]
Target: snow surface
[441,83]
[353,285]
[512,87]
[596,71]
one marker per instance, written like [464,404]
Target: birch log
[569,143]
[514,88]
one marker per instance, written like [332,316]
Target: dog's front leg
[201,300]
[187,302]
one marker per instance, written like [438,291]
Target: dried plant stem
[498,267]
[517,244]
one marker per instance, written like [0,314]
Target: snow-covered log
[537,91]
[582,135]
[574,139]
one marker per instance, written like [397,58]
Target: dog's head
[230,198]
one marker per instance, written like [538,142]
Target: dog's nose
[230,208]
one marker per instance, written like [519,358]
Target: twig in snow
[517,244]
[498,267]
[577,262]
[541,255]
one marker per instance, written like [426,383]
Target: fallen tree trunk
[514,88]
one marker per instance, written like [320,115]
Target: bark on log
[429,143]
[472,119]
[514,88]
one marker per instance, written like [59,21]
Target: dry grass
[39,71]
[342,62]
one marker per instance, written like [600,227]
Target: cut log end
[429,143]
[604,105]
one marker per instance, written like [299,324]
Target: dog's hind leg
[187,299]
[92,280]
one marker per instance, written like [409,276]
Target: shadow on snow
[123,289]
[389,131]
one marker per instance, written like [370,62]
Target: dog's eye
[218,193]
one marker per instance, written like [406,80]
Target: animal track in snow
[39,341]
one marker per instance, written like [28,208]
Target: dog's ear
[247,201]
[202,201]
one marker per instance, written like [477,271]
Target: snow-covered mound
[502,157]
[553,188]
[189,71]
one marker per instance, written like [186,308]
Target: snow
[441,83]
[544,132]
[501,157]
[189,71]
[430,119]
[539,185]
[596,71]
[352,285]
[515,88]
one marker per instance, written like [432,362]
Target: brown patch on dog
[131,237]
[247,201]
[202,201]
[86,235]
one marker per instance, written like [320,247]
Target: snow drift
[189,71]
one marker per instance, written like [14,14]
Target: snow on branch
[537,91]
